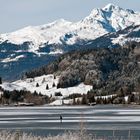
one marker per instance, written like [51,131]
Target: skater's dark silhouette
[61,118]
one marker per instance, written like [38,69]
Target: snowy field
[30,84]
[42,81]
[45,120]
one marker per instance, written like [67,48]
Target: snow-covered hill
[30,84]
[35,46]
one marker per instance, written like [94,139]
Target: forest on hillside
[108,70]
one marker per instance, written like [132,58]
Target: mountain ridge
[107,19]
[32,47]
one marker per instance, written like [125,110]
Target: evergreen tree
[58,85]
[78,102]
[37,85]
[35,93]
[40,94]
[122,92]
[53,84]
[54,77]
[92,99]
[84,99]
[105,101]
[98,100]
[74,101]
[123,100]
[47,87]
[0,80]
[131,98]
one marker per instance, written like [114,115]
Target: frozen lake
[45,120]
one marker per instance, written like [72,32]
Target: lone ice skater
[61,118]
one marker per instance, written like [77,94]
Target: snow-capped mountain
[111,18]
[38,35]
[35,46]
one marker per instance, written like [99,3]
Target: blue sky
[16,14]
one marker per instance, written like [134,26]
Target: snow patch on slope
[30,85]
[6,60]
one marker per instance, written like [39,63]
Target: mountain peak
[99,12]
[110,7]
[100,21]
